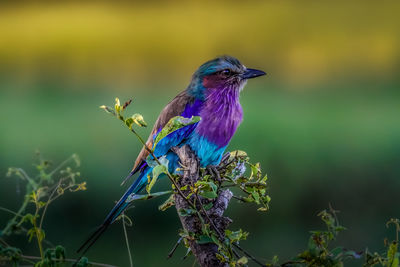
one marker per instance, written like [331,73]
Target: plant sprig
[41,190]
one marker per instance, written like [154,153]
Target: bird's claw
[225,157]
[214,172]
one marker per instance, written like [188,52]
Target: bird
[213,94]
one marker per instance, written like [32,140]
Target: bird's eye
[226,72]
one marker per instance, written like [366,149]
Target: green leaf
[186,212]
[392,255]
[255,170]
[60,252]
[31,233]
[204,239]
[207,189]
[41,204]
[157,170]
[138,120]
[28,218]
[256,196]
[208,206]
[108,109]
[117,106]
[174,124]
[168,203]
[84,262]
[208,194]
[242,261]
[129,122]
[236,236]
[263,209]
[216,240]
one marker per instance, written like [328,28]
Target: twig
[29,179]
[47,204]
[61,165]
[249,255]
[126,240]
[12,222]
[10,211]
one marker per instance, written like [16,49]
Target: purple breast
[220,115]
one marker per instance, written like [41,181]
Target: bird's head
[223,72]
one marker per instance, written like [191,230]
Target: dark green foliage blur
[324,123]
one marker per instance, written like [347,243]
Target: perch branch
[205,253]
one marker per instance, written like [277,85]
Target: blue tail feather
[121,205]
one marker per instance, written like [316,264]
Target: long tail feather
[115,212]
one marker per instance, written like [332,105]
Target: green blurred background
[324,123]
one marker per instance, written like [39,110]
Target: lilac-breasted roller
[213,94]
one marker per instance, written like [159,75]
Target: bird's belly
[207,152]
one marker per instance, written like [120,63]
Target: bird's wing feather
[172,109]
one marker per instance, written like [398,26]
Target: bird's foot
[214,172]
[225,158]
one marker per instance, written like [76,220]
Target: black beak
[252,73]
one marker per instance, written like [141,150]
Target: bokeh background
[324,123]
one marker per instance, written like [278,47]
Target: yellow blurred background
[324,123]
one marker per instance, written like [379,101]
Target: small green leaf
[117,105]
[235,236]
[138,120]
[263,209]
[60,252]
[186,212]
[242,261]
[208,194]
[393,261]
[208,206]
[129,122]
[157,170]
[84,262]
[108,109]
[275,259]
[216,240]
[41,204]
[168,203]
[31,233]
[255,170]
[203,239]
[256,196]
[207,189]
